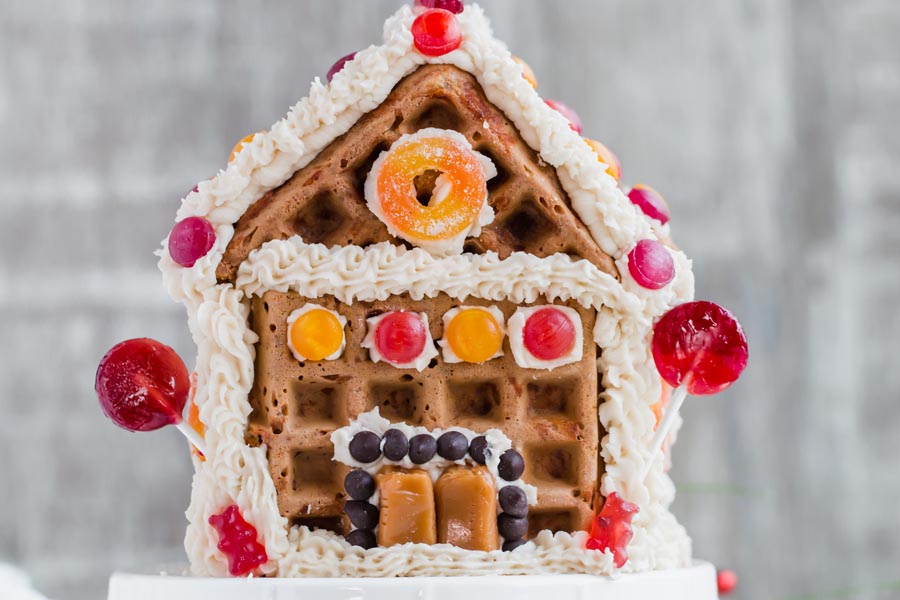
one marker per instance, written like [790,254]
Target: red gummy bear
[237,541]
[611,529]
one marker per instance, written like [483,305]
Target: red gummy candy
[400,337]
[454,6]
[700,345]
[142,385]
[727,582]
[238,541]
[611,529]
[436,32]
[339,66]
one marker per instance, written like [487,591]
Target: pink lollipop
[700,349]
[143,385]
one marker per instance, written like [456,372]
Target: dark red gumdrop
[436,32]
[454,6]
[612,530]
[142,385]
[700,345]
[238,542]
[400,337]
[650,202]
[339,66]
[191,240]
[549,334]
[651,264]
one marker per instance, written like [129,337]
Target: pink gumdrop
[400,337]
[650,202]
[700,345]
[651,264]
[436,32]
[454,6]
[191,240]
[142,385]
[612,529]
[549,334]
[238,542]
[569,113]
[339,66]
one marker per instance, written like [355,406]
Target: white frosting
[292,318]
[420,363]
[449,355]
[526,359]
[443,188]
[217,316]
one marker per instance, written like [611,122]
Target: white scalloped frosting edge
[217,316]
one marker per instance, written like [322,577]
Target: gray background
[770,125]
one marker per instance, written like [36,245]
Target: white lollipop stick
[193,437]
[665,426]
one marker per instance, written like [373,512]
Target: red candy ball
[612,529]
[700,345]
[339,66]
[569,113]
[238,542]
[727,582]
[549,334]
[142,385]
[650,202]
[651,265]
[436,32]
[191,240]
[454,6]
[400,337]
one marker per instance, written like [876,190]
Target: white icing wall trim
[217,317]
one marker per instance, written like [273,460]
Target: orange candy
[528,72]
[474,335]
[316,334]
[461,191]
[660,407]
[607,157]
[240,146]
[194,417]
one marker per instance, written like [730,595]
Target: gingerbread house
[421,348]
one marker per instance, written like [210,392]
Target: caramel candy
[467,509]
[407,508]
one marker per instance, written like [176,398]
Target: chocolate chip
[362,514]
[510,546]
[512,528]
[360,485]
[478,449]
[365,447]
[363,538]
[396,446]
[513,501]
[452,445]
[512,465]
[422,448]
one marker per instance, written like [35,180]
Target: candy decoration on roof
[339,66]
[527,72]
[143,385]
[607,157]
[238,542]
[191,240]
[651,264]
[650,202]
[727,582]
[436,32]
[569,113]
[612,530]
[454,6]
[699,348]
[240,146]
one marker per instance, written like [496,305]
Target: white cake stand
[695,583]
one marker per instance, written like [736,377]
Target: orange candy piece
[474,335]
[528,72]
[240,146]
[607,157]
[193,418]
[317,334]
[460,192]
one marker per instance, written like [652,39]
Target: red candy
[651,265]
[611,529]
[454,6]
[650,202]
[400,337]
[237,541]
[700,345]
[727,582]
[191,240]
[569,113]
[549,334]
[339,66]
[436,32]
[142,385]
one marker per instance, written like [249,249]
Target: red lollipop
[143,385]
[700,349]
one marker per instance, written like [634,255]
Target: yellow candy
[317,334]
[528,72]
[240,145]
[474,335]
[607,157]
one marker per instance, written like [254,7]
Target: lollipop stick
[665,426]
[193,437]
